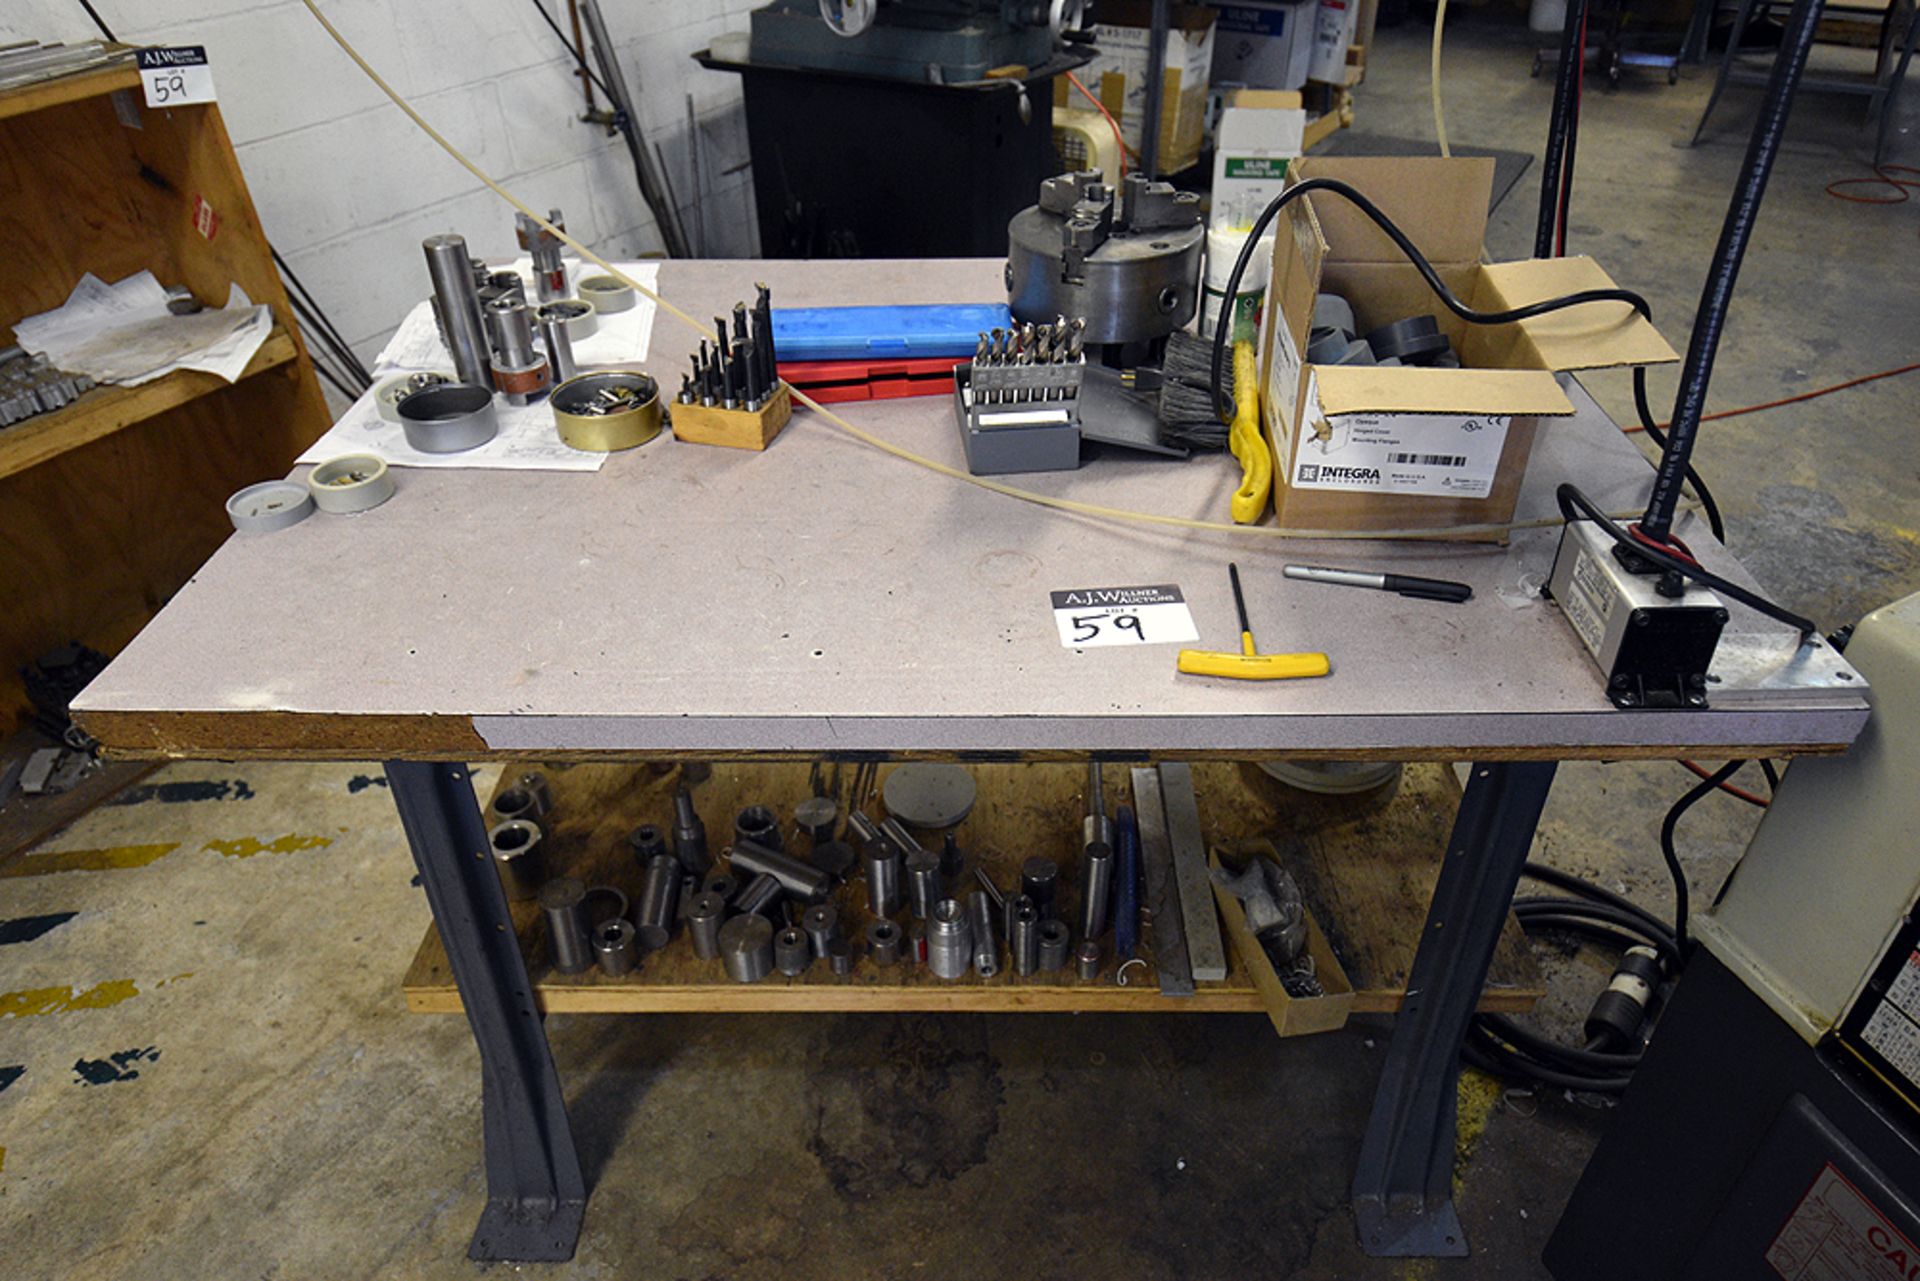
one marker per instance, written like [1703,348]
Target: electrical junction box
[1654,650]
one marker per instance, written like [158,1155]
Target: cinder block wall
[347,187]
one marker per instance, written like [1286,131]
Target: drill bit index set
[1017,402]
[733,396]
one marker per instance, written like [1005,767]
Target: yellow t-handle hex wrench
[1249,664]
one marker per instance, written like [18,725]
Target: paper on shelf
[621,338]
[123,333]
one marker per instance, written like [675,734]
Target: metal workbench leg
[1403,1188]
[535,1193]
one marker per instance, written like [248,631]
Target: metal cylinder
[986,949]
[603,904]
[1039,879]
[615,946]
[896,831]
[817,816]
[949,940]
[864,829]
[951,860]
[917,942]
[1056,942]
[835,858]
[1023,939]
[883,942]
[796,876]
[822,924]
[704,916]
[746,948]
[792,952]
[884,871]
[564,904]
[762,895]
[1086,961]
[758,824]
[659,901]
[689,835]
[543,249]
[840,957]
[459,306]
[517,853]
[1010,910]
[553,336]
[516,803]
[1096,889]
[647,841]
[723,885]
[510,327]
[1097,826]
[923,882]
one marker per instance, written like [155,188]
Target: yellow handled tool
[1250,664]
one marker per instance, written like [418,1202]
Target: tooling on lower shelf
[1365,864]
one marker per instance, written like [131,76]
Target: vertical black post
[1156,90]
[535,1193]
[1556,164]
[1403,1188]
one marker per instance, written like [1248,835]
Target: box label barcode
[1428,460]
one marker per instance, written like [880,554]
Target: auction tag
[175,77]
[1122,616]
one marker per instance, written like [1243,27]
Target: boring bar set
[735,371]
[784,898]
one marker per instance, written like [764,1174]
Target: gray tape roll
[446,420]
[270,505]
[578,316]
[354,483]
[606,294]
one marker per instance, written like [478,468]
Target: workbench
[825,600]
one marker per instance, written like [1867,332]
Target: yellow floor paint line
[247,846]
[111,858]
[1476,1095]
[60,1000]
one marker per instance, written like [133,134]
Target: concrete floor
[208,1071]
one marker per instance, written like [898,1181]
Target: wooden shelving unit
[109,504]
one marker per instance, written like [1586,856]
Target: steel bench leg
[1403,1188]
[1891,106]
[535,1193]
[1743,15]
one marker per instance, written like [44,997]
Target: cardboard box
[1263,44]
[1253,147]
[1368,448]
[1118,76]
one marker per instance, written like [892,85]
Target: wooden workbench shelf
[106,410]
[1366,865]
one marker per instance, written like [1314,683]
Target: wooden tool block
[734,428]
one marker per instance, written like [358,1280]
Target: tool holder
[734,428]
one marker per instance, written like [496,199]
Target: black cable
[1553,162]
[1667,851]
[1571,499]
[578,56]
[320,340]
[1710,319]
[1773,775]
[1223,401]
[320,367]
[1707,505]
[98,21]
[1573,139]
[1599,893]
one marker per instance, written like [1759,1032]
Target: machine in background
[945,106]
[1773,1129]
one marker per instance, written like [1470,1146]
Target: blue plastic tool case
[848,333]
